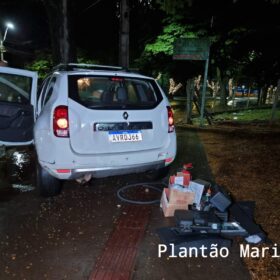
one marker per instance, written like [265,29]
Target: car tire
[48,186]
[158,173]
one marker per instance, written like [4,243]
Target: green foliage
[84,57]
[42,64]
[172,7]
[86,60]
[164,42]
[157,55]
[243,39]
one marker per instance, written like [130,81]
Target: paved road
[62,238]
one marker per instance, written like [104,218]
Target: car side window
[42,90]
[48,92]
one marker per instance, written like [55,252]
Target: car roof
[98,70]
[107,73]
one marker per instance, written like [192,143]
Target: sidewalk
[149,266]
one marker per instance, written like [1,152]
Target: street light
[9,25]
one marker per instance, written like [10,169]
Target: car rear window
[105,92]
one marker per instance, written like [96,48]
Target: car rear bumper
[68,174]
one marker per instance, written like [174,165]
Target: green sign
[191,49]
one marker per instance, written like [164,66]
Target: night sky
[31,26]
[91,29]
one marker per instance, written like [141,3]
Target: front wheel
[47,185]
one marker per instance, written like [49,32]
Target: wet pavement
[16,172]
[64,237]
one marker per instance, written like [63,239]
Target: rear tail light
[117,79]
[171,126]
[63,170]
[168,160]
[61,121]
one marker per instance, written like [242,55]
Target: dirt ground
[245,161]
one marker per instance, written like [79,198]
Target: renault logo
[125,115]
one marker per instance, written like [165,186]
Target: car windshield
[114,92]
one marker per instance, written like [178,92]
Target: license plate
[125,136]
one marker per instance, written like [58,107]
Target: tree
[63,46]
[124,34]
[157,54]
[242,33]
[42,64]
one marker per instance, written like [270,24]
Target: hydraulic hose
[149,185]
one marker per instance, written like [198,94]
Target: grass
[248,115]
[239,115]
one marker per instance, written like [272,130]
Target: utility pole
[124,34]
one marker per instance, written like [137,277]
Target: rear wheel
[158,174]
[47,185]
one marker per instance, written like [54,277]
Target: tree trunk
[223,81]
[260,94]
[124,35]
[264,96]
[189,104]
[223,93]
[248,98]
[275,102]
[59,14]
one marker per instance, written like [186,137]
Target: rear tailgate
[108,132]
[116,113]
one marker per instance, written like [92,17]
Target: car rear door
[17,101]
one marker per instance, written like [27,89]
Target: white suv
[90,121]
